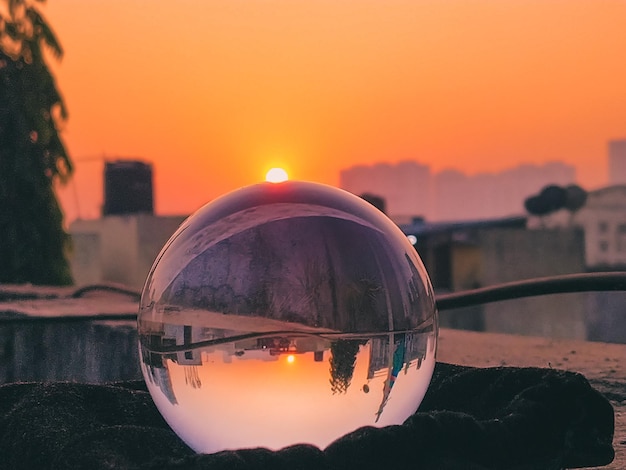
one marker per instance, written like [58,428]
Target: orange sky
[214,93]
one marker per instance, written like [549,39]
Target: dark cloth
[495,418]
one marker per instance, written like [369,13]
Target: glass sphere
[286,313]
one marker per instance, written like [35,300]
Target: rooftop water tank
[127,188]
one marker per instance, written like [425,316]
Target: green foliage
[33,243]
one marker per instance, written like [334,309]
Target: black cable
[106,287]
[563,284]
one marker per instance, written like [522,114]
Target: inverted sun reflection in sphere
[286,314]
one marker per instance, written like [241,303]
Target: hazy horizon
[216,93]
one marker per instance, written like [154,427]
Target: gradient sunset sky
[214,93]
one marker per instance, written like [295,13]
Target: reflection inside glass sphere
[286,313]
[279,389]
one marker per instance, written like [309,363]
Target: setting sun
[276,175]
[323,87]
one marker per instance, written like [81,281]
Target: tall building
[617,162]
[406,187]
[458,196]
[410,189]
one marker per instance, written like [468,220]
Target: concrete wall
[467,266]
[511,255]
[606,317]
[119,249]
[85,261]
[467,273]
[95,352]
[603,219]
[152,233]
[119,242]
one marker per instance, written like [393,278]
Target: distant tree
[33,243]
[377,201]
[575,199]
[553,197]
[535,205]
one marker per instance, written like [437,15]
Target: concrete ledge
[107,351]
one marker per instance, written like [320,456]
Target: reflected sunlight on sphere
[286,313]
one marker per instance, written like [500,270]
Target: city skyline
[214,94]
[412,189]
[76,207]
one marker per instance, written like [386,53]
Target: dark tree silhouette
[576,197]
[553,198]
[33,159]
[342,361]
[377,201]
[535,205]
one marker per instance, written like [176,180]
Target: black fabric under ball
[471,418]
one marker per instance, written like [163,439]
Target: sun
[276,175]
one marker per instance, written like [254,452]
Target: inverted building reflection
[192,348]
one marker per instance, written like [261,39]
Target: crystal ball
[286,313]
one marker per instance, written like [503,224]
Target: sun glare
[291,358]
[276,175]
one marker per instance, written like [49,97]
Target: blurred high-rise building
[406,186]
[484,195]
[617,162]
[411,189]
